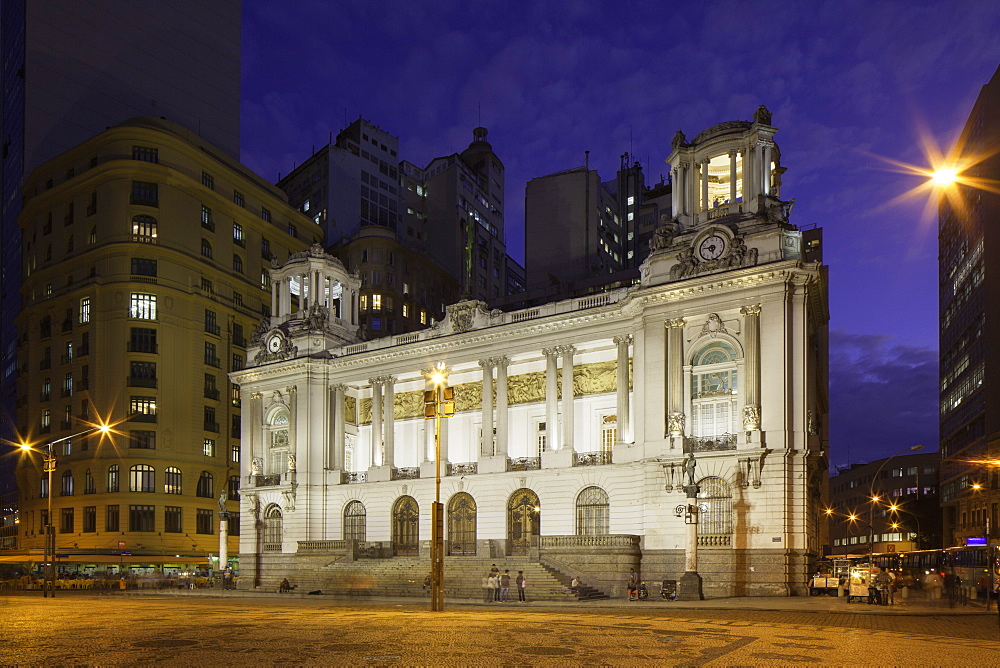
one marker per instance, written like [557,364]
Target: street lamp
[439,402]
[875,498]
[48,579]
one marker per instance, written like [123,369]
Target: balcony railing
[142,417]
[716,540]
[212,329]
[83,384]
[65,359]
[710,443]
[137,347]
[212,426]
[136,381]
[462,468]
[524,464]
[353,477]
[405,473]
[272,480]
[212,361]
[591,458]
[211,394]
[45,364]
[66,392]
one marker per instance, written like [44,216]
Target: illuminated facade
[573,418]
[147,260]
[969,343]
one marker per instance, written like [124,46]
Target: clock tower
[314,307]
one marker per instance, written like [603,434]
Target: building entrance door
[462,525]
[406,527]
[523,520]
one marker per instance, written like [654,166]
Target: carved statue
[678,140]
[762,115]
[262,328]
[776,210]
[222,501]
[675,424]
[291,463]
[751,417]
[255,466]
[738,253]
[664,235]
[686,265]
[689,467]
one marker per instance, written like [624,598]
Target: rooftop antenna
[479,121]
[630,151]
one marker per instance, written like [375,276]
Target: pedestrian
[574,585]
[487,594]
[932,583]
[882,582]
[494,585]
[520,582]
[121,583]
[504,586]
[633,585]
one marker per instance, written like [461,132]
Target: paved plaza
[237,628]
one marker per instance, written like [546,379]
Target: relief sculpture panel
[526,388]
[350,410]
[595,378]
[365,411]
[408,405]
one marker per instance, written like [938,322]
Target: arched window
[355,521]
[278,443]
[272,529]
[234,488]
[113,478]
[206,249]
[715,509]
[142,478]
[714,387]
[143,229]
[237,263]
[592,512]
[265,279]
[67,483]
[206,485]
[172,480]
[89,486]
[405,527]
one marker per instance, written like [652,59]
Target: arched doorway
[523,520]
[355,520]
[406,527]
[462,525]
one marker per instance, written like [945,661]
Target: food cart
[859,577]
[831,575]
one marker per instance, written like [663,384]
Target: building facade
[147,260]
[969,344]
[573,419]
[906,516]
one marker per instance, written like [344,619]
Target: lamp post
[49,572]
[439,402]
[875,498]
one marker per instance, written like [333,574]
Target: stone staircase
[404,576]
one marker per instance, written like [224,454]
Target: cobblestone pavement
[229,630]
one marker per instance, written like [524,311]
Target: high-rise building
[147,259]
[70,70]
[969,234]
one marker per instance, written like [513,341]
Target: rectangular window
[237,362]
[208,447]
[142,440]
[172,480]
[85,310]
[204,521]
[208,180]
[172,520]
[143,230]
[211,322]
[67,521]
[234,453]
[265,248]
[206,218]
[145,406]
[142,374]
[238,235]
[376,301]
[363,303]
[238,198]
[141,518]
[111,522]
[142,306]
[89,519]
[210,423]
[211,358]
[142,340]
[265,214]
[145,154]
[145,193]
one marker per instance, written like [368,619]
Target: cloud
[883,397]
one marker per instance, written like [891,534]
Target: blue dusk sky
[847,82]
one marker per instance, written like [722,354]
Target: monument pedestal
[689,587]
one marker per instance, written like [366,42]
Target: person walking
[505,586]
[633,585]
[520,582]
[494,585]
[487,594]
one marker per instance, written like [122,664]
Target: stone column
[275,296]
[732,177]
[377,457]
[551,399]
[766,185]
[389,410]
[254,427]
[675,377]
[622,388]
[338,427]
[567,396]
[750,173]
[486,445]
[501,443]
[675,192]
[223,540]
[704,186]
[751,368]
[293,420]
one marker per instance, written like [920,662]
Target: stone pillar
[389,409]
[293,421]
[675,377]
[377,457]
[223,540]
[551,399]
[766,185]
[275,292]
[567,396]
[751,369]
[486,445]
[704,186]
[675,192]
[254,427]
[338,427]
[689,588]
[750,174]
[622,388]
[501,443]
[732,177]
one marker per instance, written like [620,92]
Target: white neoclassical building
[573,419]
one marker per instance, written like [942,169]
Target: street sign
[126,553]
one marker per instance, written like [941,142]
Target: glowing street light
[439,402]
[944,176]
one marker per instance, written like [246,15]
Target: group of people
[496,585]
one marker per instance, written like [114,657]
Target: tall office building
[72,69]
[147,259]
[969,338]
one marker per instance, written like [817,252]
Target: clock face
[712,247]
[274,343]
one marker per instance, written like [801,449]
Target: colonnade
[690,178]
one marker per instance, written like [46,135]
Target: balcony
[236,432]
[462,468]
[45,429]
[212,361]
[212,426]
[83,384]
[710,443]
[44,396]
[211,393]
[136,381]
[212,329]
[65,424]
[142,417]
[267,480]
[353,478]
[405,473]
[65,359]
[141,347]
[208,225]
[66,392]
[591,458]
[524,464]
[45,364]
